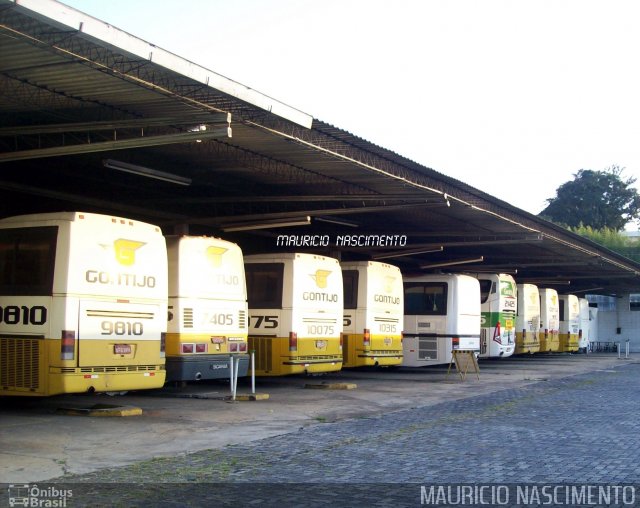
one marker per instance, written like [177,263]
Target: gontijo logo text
[388,288]
[320,278]
[124,252]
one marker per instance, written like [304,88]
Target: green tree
[611,239]
[599,199]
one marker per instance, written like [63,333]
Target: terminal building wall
[619,322]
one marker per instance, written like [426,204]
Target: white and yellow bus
[498,307]
[373,314]
[549,320]
[207,325]
[593,327]
[569,323]
[295,313]
[527,319]
[83,304]
[584,335]
[441,314]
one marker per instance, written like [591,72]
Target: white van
[441,314]
[584,335]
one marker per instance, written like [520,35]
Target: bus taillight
[186,348]
[243,347]
[367,337]
[233,347]
[201,347]
[455,342]
[497,333]
[163,343]
[293,341]
[68,345]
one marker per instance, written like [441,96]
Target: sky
[512,97]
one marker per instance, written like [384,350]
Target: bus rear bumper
[312,365]
[384,359]
[196,368]
[100,379]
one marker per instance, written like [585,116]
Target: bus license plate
[122,349]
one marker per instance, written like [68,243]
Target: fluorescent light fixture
[134,169]
[268,224]
[492,270]
[453,262]
[408,252]
[340,222]
[547,282]
[586,290]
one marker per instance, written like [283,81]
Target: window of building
[602,302]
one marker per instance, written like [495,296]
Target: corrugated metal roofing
[64,74]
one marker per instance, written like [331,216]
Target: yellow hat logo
[388,284]
[214,255]
[125,251]
[320,278]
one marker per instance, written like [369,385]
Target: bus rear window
[425,298]
[486,288]
[27,260]
[264,285]
[350,286]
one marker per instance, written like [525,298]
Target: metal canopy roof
[76,92]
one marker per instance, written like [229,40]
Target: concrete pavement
[37,444]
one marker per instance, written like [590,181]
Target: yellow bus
[549,320]
[527,319]
[295,313]
[569,323]
[207,324]
[373,314]
[83,301]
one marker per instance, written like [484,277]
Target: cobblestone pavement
[578,430]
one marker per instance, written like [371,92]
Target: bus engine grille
[242,319]
[263,348]
[187,317]
[19,363]
[345,348]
